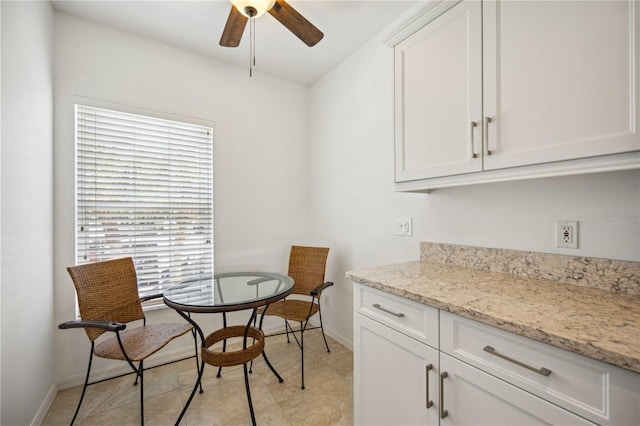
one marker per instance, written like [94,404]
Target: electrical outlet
[567,234]
[404,227]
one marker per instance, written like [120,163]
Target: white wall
[260,152]
[354,204]
[26,174]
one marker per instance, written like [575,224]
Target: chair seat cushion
[292,309]
[141,342]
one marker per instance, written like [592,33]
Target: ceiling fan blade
[296,23]
[236,22]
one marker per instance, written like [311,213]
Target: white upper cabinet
[498,90]
[560,80]
[438,95]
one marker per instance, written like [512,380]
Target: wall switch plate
[567,234]
[404,227]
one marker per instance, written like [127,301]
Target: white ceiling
[197,26]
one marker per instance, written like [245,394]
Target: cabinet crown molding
[414,19]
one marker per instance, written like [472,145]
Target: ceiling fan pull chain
[252,57]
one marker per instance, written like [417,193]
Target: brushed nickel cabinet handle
[443,413]
[542,371]
[487,120]
[428,368]
[474,124]
[397,314]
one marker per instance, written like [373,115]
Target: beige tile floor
[327,399]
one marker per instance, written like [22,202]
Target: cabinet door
[394,377]
[473,397]
[560,80]
[438,95]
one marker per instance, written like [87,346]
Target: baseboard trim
[344,341]
[46,404]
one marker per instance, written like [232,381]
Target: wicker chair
[108,299]
[307,268]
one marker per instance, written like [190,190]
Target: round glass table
[228,292]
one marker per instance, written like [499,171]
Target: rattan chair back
[306,267]
[107,291]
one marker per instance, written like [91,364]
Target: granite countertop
[597,323]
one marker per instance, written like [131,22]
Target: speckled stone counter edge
[604,274]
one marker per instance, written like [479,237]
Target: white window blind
[144,188]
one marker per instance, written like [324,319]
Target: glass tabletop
[230,291]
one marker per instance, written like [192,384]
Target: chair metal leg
[322,329]
[135,383]
[141,375]
[84,389]
[139,371]
[286,329]
[302,351]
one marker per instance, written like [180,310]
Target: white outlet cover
[404,227]
[567,234]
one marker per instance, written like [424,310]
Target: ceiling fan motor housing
[253,8]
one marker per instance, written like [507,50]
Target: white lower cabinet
[416,365]
[395,377]
[472,397]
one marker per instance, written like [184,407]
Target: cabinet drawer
[473,397]
[408,317]
[600,392]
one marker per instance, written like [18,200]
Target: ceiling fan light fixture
[247,7]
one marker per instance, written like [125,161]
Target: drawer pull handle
[474,124]
[397,314]
[428,368]
[443,413]
[542,371]
[487,120]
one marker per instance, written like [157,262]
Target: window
[144,188]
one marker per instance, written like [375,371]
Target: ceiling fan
[243,10]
